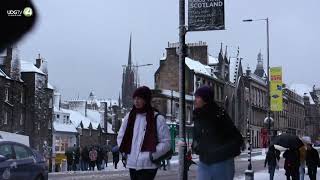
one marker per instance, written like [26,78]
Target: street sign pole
[182,175]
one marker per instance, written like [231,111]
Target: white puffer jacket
[141,160]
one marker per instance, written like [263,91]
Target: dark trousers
[312,172]
[92,165]
[115,164]
[144,174]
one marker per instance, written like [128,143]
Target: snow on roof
[234,69]
[164,57]
[76,117]
[109,128]
[4,74]
[113,102]
[49,86]
[302,90]
[29,67]
[198,67]
[212,60]
[175,94]
[62,127]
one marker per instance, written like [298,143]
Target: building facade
[26,98]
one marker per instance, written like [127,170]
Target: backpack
[165,156]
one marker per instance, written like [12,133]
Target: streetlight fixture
[268,119]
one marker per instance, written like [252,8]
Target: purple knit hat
[206,93]
[143,92]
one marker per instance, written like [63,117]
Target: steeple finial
[130,56]
[226,51]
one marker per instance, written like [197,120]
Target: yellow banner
[276,89]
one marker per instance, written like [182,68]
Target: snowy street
[121,173]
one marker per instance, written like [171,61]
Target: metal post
[182,175]
[268,84]
[249,173]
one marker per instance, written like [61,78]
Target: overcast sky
[86,42]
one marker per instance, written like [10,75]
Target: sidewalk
[279,175]
[174,161]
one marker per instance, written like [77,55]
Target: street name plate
[205,15]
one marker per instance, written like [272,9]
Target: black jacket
[292,160]
[215,136]
[312,158]
[272,157]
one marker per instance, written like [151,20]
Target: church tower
[128,81]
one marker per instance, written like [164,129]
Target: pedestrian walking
[124,160]
[272,158]
[99,158]
[115,156]
[105,156]
[84,159]
[312,161]
[143,126]
[93,158]
[292,164]
[77,158]
[302,154]
[215,138]
[163,164]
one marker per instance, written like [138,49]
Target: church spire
[259,69]
[130,55]
[119,101]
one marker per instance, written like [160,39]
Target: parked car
[18,161]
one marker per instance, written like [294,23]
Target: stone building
[292,118]
[257,101]
[26,98]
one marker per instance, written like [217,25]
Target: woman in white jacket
[141,138]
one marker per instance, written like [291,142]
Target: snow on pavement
[278,175]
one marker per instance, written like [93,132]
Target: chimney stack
[7,62]
[38,61]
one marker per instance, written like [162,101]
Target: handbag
[165,156]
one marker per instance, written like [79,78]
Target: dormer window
[6,94]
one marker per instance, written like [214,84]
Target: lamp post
[268,119]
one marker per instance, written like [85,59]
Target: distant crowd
[91,157]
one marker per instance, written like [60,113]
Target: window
[21,118]
[5,150]
[6,94]
[50,103]
[5,121]
[49,124]
[61,143]
[22,152]
[58,116]
[22,97]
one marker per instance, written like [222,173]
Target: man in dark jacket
[272,159]
[292,163]
[312,160]
[115,157]
[85,159]
[216,139]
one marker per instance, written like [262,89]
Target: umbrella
[288,141]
